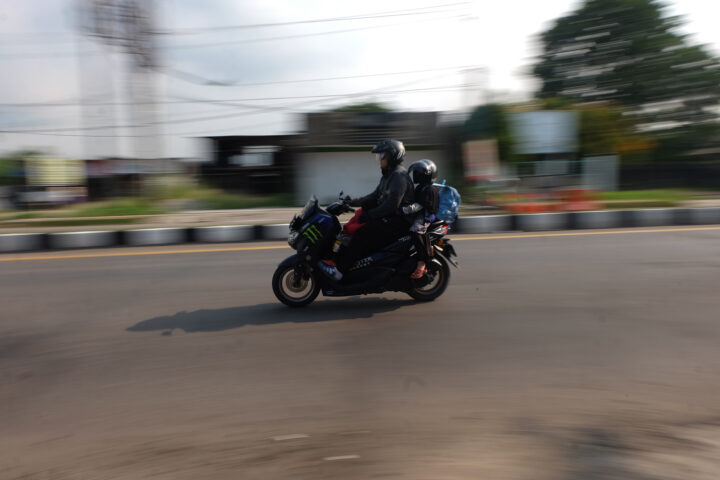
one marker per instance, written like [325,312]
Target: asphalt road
[551,356]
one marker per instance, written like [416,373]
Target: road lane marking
[341,457]
[576,234]
[281,247]
[293,436]
[133,254]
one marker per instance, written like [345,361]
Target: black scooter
[297,281]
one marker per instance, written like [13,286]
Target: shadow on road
[268,314]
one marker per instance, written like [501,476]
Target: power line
[303,35]
[385,14]
[80,102]
[193,78]
[35,38]
[314,99]
[51,131]
[60,55]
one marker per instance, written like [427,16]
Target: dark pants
[371,238]
[422,246]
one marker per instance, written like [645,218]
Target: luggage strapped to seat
[449,202]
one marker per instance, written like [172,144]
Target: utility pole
[128,25]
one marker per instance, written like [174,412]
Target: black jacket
[394,191]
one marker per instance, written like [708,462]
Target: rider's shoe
[419,271]
[328,268]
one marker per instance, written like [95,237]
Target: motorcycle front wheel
[438,276]
[292,291]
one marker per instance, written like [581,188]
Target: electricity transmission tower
[128,26]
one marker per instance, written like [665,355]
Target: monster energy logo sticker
[312,233]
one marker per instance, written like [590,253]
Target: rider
[381,209]
[423,173]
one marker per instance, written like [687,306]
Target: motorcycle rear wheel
[439,276]
[292,295]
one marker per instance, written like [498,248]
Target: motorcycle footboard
[359,283]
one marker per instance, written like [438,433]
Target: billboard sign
[545,132]
[480,160]
[54,171]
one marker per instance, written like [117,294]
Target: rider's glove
[410,209]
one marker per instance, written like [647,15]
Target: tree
[370,107]
[490,122]
[605,128]
[628,52]
[12,170]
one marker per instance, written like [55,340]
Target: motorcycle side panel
[371,280]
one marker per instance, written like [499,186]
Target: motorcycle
[313,234]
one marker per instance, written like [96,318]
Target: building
[251,164]
[335,155]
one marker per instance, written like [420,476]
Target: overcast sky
[431,55]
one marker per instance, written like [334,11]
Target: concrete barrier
[155,236]
[697,216]
[597,219]
[274,232]
[484,224]
[542,221]
[21,242]
[650,217]
[233,233]
[83,239]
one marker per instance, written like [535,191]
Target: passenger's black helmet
[392,149]
[423,171]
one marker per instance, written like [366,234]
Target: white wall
[356,173]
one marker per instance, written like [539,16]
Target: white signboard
[545,132]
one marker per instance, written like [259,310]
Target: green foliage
[608,129]
[214,199]
[490,122]
[128,206]
[369,107]
[677,144]
[11,169]
[644,198]
[669,195]
[218,200]
[627,51]
[71,222]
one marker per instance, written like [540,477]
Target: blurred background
[166,105]
[558,355]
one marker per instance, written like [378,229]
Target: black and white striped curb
[24,242]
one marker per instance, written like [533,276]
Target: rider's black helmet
[393,150]
[423,171]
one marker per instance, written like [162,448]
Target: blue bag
[449,202]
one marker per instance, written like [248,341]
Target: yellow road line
[281,247]
[594,232]
[132,254]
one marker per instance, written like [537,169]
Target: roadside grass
[669,195]
[110,208]
[177,195]
[645,198]
[121,207]
[208,198]
[163,198]
[71,222]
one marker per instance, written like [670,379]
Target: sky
[253,67]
